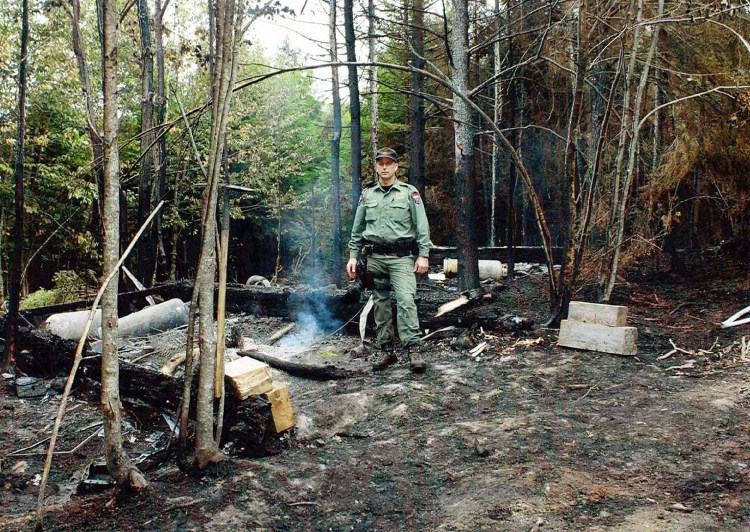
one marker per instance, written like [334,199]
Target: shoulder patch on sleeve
[361,197]
[415,197]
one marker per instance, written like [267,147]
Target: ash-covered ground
[525,436]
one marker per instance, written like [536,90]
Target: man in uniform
[391,226]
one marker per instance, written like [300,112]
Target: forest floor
[526,436]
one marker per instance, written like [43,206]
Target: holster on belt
[366,278]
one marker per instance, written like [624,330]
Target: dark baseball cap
[386,152]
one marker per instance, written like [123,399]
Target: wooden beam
[596,337]
[610,315]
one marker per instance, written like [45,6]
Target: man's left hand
[421,265]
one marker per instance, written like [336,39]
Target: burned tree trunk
[15,266]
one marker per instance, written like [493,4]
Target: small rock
[679,507]
[30,387]
[20,468]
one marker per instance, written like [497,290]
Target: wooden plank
[247,377]
[281,407]
[610,315]
[596,337]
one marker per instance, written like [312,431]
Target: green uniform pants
[403,282]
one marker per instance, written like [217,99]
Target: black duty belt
[400,248]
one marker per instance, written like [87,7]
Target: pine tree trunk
[18,171]
[160,111]
[354,107]
[416,102]
[463,125]
[372,56]
[337,261]
[497,113]
[146,264]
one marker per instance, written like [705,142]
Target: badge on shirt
[415,197]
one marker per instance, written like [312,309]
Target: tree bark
[337,261]
[463,125]
[228,21]
[354,107]
[146,264]
[372,55]
[632,158]
[416,102]
[118,464]
[160,111]
[18,171]
[73,8]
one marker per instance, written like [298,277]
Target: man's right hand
[351,268]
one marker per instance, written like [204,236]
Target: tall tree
[337,262]
[463,148]
[146,265]
[117,462]
[227,20]
[160,112]
[416,101]
[354,107]
[372,56]
[15,263]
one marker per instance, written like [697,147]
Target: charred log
[248,423]
[300,369]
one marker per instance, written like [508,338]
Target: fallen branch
[433,333]
[300,369]
[279,334]
[666,355]
[690,364]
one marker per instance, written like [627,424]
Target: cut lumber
[281,407]
[248,377]
[310,371]
[597,337]
[610,315]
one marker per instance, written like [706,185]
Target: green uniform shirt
[383,217]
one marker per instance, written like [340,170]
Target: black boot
[416,362]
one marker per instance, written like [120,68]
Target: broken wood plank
[281,407]
[597,337]
[299,369]
[138,285]
[248,377]
[451,306]
[610,315]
